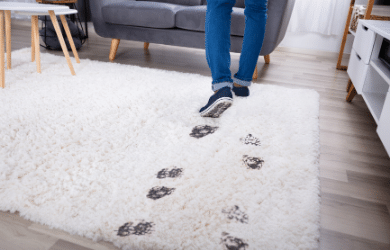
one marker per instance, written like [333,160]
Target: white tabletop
[36,7]
[45,13]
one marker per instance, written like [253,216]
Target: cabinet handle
[358,57]
[364,27]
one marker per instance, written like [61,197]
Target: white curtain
[320,16]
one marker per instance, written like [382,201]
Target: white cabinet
[384,124]
[370,75]
[357,71]
[364,42]
[375,89]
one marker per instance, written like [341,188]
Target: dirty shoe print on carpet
[121,153]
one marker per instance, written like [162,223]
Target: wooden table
[34,9]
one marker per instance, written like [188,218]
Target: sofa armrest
[279,14]
[101,27]
[286,20]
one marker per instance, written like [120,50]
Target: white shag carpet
[120,153]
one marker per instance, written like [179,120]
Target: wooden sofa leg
[255,75]
[114,48]
[146,45]
[266,59]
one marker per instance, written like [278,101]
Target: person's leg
[218,18]
[255,22]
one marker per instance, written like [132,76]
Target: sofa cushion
[142,14]
[179,2]
[239,3]
[193,18]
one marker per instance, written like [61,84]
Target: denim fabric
[218,21]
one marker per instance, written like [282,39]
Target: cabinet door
[384,124]
[364,42]
[357,71]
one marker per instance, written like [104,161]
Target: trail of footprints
[232,213]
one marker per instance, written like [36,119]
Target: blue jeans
[218,20]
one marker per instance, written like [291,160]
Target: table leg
[349,85]
[62,42]
[2,73]
[351,93]
[36,43]
[70,39]
[32,40]
[8,36]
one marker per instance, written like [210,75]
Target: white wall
[316,41]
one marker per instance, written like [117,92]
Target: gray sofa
[180,22]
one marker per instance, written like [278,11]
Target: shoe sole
[217,108]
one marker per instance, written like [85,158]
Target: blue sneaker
[241,91]
[218,103]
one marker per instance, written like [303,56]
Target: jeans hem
[242,82]
[220,85]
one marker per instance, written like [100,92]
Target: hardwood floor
[354,166]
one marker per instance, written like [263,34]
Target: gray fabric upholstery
[179,2]
[143,14]
[239,3]
[193,18]
[278,18]
[279,13]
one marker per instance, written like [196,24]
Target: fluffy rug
[120,153]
